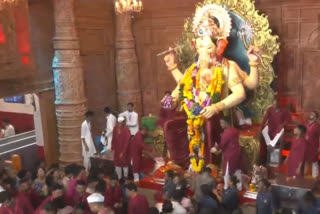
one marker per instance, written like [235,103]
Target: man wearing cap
[88,147]
[96,204]
[120,147]
[137,203]
[131,119]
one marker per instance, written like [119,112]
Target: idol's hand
[169,59]
[212,110]
[254,54]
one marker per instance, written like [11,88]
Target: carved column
[70,98]
[9,62]
[127,69]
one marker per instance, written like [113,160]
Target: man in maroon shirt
[137,203]
[56,192]
[137,145]
[312,147]
[113,194]
[230,148]
[297,152]
[23,204]
[6,202]
[276,119]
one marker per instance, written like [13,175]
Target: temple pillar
[127,69]
[70,98]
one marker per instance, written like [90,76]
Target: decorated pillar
[70,98]
[127,69]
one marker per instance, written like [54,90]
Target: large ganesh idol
[211,85]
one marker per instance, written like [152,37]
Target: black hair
[131,187]
[22,173]
[101,187]
[153,210]
[167,206]
[49,207]
[5,196]
[167,92]
[265,182]
[177,195]
[309,199]
[24,180]
[12,182]
[92,178]
[130,104]
[170,174]
[285,211]
[226,119]
[59,202]
[107,110]
[234,180]
[206,189]
[89,114]
[81,183]
[56,187]
[207,170]
[302,128]
[80,206]
[114,177]
[208,211]
[6,121]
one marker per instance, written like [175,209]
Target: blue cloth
[304,208]
[264,203]
[230,199]
[208,202]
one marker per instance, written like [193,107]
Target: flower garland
[189,99]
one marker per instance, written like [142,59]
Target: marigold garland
[189,99]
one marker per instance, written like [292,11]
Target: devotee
[131,119]
[307,204]
[88,147]
[276,119]
[80,209]
[207,201]
[96,203]
[48,208]
[137,203]
[23,204]
[230,197]
[312,146]
[8,128]
[230,148]
[121,140]
[111,122]
[169,186]
[297,152]
[40,181]
[137,145]
[80,194]
[167,207]
[176,203]
[76,175]
[200,179]
[113,194]
[56,192]
[6,202]
[264,202]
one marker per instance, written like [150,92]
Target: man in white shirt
[88,147]
[131,119]
[8,128]
[111,122]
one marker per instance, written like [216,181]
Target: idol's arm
[177,75]
[252,81]
[237,96]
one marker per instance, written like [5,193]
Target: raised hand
[169,59]
[254,54]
